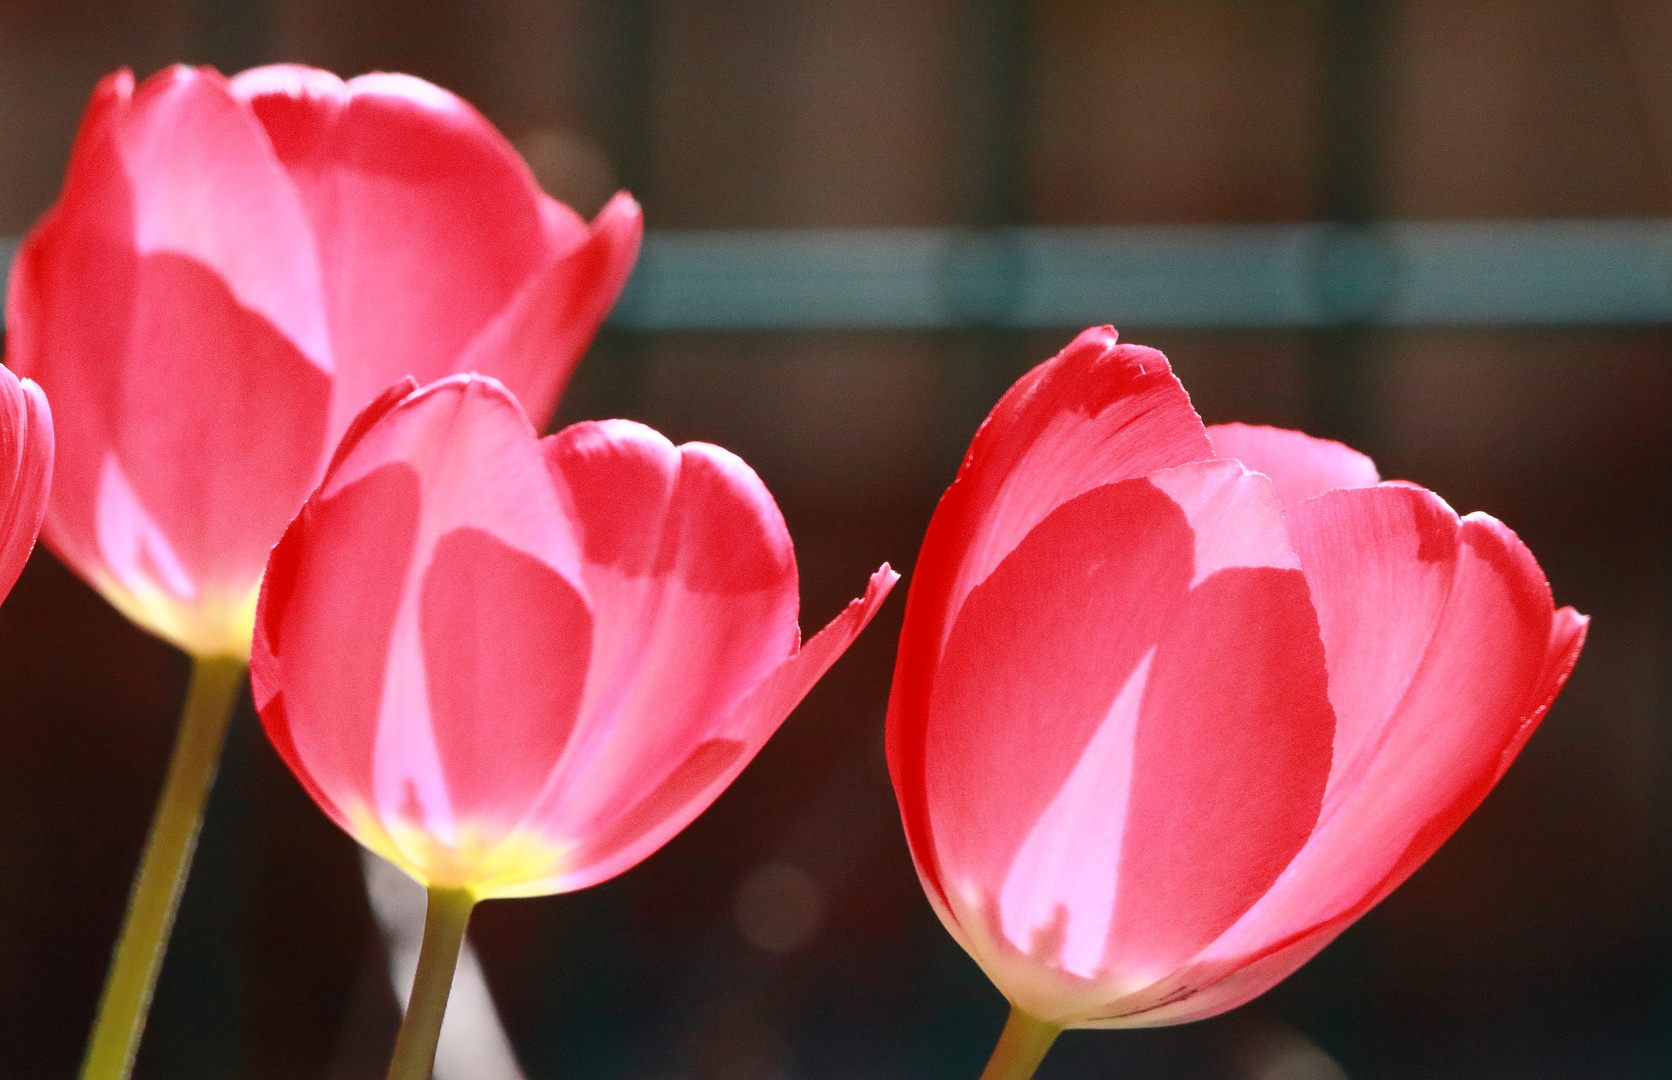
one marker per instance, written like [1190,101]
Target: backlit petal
[700,778]
[537,339]
[182,333]
[26,450]
[427,222]
[1444,653]
[690,570]
[207,187]
[325,628]
[567,652]
[1149,650]
[1096,414]
[1299,465]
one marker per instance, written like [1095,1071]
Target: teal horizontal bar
[1495,273]
[1464,273]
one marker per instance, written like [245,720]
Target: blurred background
[783,936]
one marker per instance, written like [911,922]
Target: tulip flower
[515,666]
[1175,705]
[25,472]
[234,268]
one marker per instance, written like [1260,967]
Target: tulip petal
[325,628]
[249,395]
[1150,650]
[402,182]
[689,567]
[1299,465]
[95,176]
[175,536]
[1444,654]
[481,464]
[535,342]
[506,648]
[482,514]
[206,186]
[1037,660]
[1095,414]
[26,450]
[126,484]
[698,780]
[374,411]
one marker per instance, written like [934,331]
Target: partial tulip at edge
[26,457]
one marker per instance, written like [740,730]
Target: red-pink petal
[428,224]
[714,763]
[217,426]
[1107,652]
[181,333]
[325,628]
[507,641]
[1095,414]
[26,449]
[692,576]
[1444,653]
[539,337]
[453,599]
[206,186]
[1299,465]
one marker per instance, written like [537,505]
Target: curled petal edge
[559,308]
[750,724]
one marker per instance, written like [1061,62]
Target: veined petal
[1155,746]
[507,641]
[192,384]
[477,645]
[207,187]
[565,654]
[1096,413]
[324,630]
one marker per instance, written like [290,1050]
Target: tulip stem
[1021,1047]
[444,926]
[155,895]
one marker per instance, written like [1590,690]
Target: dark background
[1534,945]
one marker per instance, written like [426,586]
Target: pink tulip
[517,666]
[25,472]
[1176,705]
[234,269]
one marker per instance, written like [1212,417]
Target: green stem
[444,925]
[163,868]
[1021,1047]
